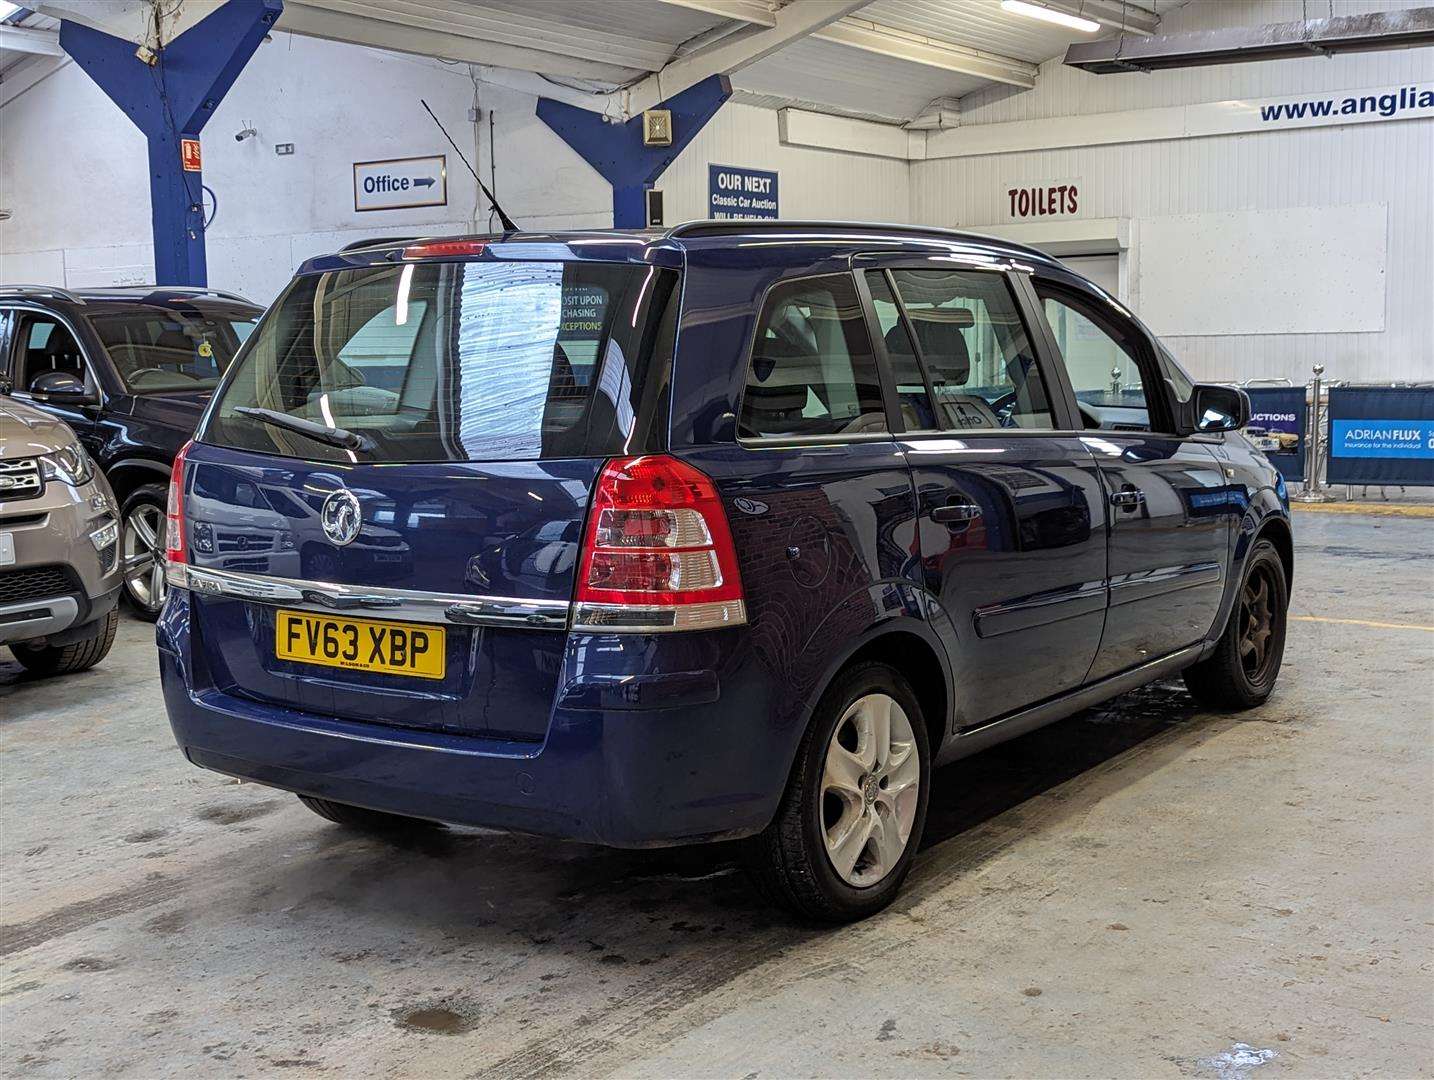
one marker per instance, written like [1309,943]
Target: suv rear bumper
[633,766]
[58,619]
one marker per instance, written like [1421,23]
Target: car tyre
[1241,672]
[844,778]
[364,819]
[76,656]
[142,550]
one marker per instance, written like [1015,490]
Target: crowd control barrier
[1381,435]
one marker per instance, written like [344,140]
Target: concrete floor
[1138,892]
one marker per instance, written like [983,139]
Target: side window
[812,370]
[976,354]
[1104,371]
[45,344]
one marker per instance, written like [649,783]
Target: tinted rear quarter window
[811,371]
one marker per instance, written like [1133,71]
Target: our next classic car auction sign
[734,192]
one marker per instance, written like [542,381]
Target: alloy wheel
[1257,624]
[870,790]
[143,550]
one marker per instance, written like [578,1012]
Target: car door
[1170,508]
[1010,510]
[41,342]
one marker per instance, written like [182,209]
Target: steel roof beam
[918,49]
[790,23]
[22,39]
[754,12]
[324,19]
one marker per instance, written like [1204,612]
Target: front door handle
[1127,498]
[956,513]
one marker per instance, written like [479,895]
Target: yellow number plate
[360,644]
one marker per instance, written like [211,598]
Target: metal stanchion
[1314,491]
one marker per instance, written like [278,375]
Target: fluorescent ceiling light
[7,9]
[1051,15]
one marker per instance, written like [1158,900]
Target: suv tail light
[176,551]
[657,551]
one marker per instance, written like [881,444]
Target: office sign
[401,183]
[1381,435]
[1277,426]
[734,192]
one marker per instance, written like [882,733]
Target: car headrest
[779,385]
[943,345]
[898,342]
[1030,392]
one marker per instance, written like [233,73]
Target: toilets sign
[734,192]
[401,183]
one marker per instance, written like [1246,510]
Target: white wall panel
[337,104]
[1330,264]
[811,183]
[1391,164]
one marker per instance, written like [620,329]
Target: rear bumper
[621,764]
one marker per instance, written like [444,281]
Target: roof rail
[734,226]
[375,241]
[153,291]
[43,290]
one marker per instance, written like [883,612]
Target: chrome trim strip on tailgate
[401,604]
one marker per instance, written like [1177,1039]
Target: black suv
[130,369]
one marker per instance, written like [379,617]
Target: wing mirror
[59,384]
[1218,408]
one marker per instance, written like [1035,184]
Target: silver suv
[59,546]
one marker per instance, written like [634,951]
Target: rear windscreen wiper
[333,436]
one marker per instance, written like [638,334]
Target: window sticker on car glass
[506,364]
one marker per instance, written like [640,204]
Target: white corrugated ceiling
[886,59]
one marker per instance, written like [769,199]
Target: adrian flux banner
[1277,426]
[1381,435]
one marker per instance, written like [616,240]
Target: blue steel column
[616,150]
[170,101]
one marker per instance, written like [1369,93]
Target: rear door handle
[959,513]
[1127,498]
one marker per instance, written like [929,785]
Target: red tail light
[176,550]
[658,552]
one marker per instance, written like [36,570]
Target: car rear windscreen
[453,361]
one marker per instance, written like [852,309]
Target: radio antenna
[504,218]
